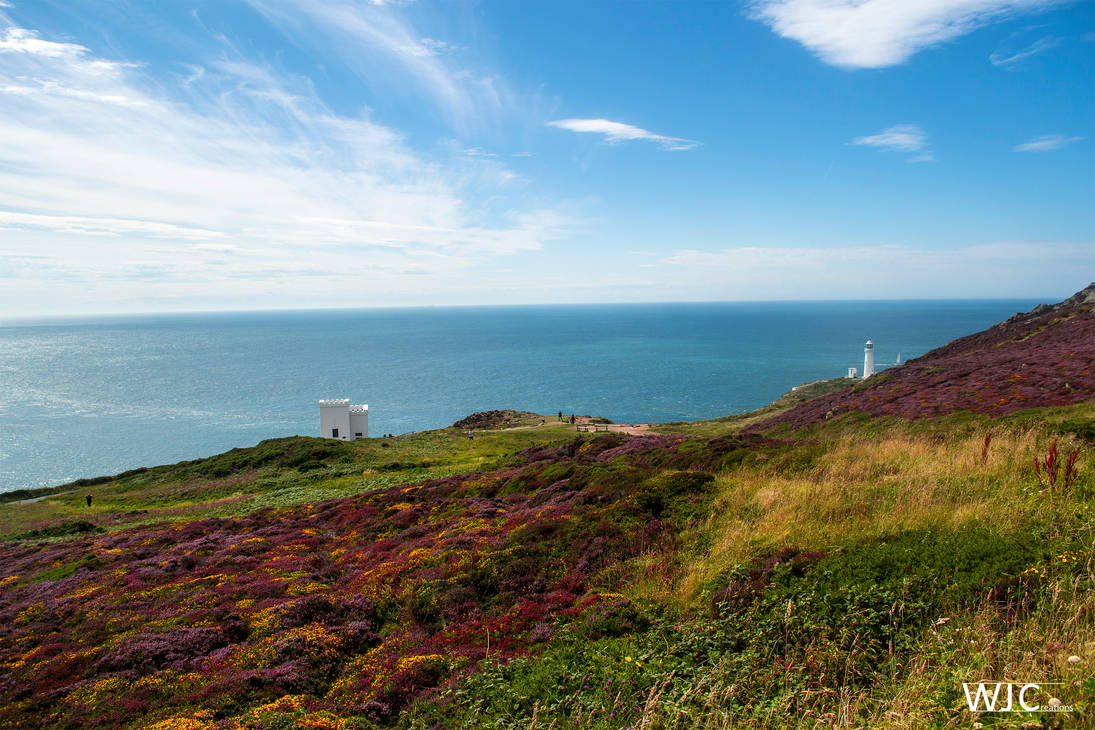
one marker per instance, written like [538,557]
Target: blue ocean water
[90,396]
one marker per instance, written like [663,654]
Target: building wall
[336,415]
[359,424]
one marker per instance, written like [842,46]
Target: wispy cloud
[878,271]
[218,181]
[618,132]
[1046,143]
[1014,58]
[21,40]
[880,33]
[906,138]
[378,43]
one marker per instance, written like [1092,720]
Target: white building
[853,372]
[340,420]
[868,360]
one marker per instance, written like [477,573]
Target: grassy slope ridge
[852,572]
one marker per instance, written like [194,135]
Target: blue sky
[254,154]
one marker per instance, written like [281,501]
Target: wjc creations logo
[1011,697]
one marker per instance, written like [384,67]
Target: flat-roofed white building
[338,419]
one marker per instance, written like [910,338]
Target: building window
[357,435]
[334,433]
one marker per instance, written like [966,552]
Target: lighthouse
[868,360]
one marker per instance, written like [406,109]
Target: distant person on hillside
[572,420]
[88,498]
[471,433]
[560,415]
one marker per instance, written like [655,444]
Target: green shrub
[871,599]
[678,493]
[64,529]
[1083,428]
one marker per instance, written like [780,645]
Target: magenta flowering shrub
[178,649]
[1045,358]
[355,605]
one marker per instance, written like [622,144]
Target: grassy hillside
[275,473]
[849,571]
[1045,357]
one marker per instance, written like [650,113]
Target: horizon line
[27,318]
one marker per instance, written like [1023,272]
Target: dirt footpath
[587,424]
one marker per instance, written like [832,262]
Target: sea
[87,396]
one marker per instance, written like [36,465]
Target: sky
[165,155]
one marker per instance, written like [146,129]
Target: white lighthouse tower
[868,360]
[340,420]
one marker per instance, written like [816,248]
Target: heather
[276,472]
[605,580]
[1040,359]
[359,604]
[849,571]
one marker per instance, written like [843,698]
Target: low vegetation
[274,473]
[854,576]
[852,570]
[1035,360]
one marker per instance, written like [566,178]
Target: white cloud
[103,226]
[906,138]
[880,33]
[617,132]
[233,185]
[879,272]
[898,138]
[376,42]
[21,40]
[1046,143]
[1012,58]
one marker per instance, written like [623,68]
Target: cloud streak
[1046,143]
[1010,60]
[905,138]
[879,33]
[617,133]
[382,48]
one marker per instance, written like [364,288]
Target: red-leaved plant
[1048,468]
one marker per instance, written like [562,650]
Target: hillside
[1045,357]
[850,574]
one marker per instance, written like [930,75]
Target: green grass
[853,577]
[737,422]
[274,473]
[855,581]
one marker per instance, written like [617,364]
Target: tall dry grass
[867,485]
